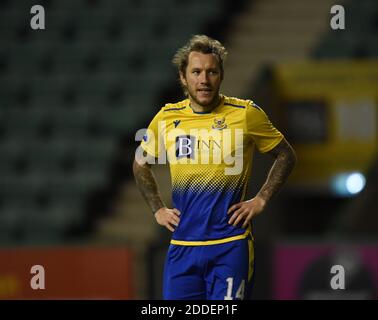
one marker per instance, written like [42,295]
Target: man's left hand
[246,210]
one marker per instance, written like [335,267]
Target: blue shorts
[209,272]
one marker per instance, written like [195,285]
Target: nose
[204,78]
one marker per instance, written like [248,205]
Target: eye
[196,72]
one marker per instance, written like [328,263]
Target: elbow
[139,165]
[294,157]
[290,154]
[136,167]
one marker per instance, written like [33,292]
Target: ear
[183,79]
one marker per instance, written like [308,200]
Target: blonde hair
[203,44]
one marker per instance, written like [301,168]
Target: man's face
[202,78]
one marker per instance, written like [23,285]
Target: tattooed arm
[280,171]
[278,174]
[148,187]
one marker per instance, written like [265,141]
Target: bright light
[355,183]
[348,184]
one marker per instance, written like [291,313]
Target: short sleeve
[260,129]
[151,139]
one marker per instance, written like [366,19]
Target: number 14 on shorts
[239,292]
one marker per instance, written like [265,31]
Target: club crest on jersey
[219,124]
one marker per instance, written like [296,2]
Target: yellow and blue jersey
[210,157]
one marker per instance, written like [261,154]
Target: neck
[200,108]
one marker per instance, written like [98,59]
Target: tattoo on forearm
[147,185]
[280,171]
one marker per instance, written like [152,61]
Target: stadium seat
[67,93]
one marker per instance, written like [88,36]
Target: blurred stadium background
[72,97]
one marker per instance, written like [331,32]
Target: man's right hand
[168,218]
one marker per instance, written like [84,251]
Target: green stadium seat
[10,150]
[25,121]
[70,122]
[354,42]
[79,183]
[49,156]
[20,188]
[68,93]
[11,217]
[93,153]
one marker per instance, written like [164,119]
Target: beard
[211,101]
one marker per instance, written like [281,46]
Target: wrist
[262,200]
[156,211]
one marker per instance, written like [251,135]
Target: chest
[210,137]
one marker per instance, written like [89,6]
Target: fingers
[176,211]
[234,207]
[239,215]
[172,219]
[238,219]
[236,215]
[248,219]
[245,224]
[169,227]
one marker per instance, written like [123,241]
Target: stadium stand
[359,41]
[70,93]
[72,97]
[333,216]
[269,32]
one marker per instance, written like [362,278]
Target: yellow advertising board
[329,111]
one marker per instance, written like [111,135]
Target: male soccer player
[209,140]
